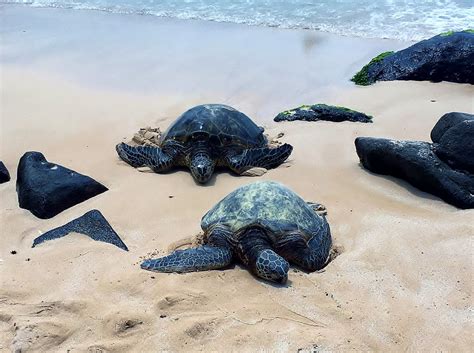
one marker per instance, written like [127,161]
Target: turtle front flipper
[255,251]
[190,260]
[265,157]
[149,156]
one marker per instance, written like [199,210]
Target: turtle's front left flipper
[190,260]
[265,157]
[149,156]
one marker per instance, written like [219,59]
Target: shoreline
[402,282]
[191,20]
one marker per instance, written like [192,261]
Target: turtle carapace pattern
[204,137]
[266,226]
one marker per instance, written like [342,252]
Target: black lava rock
[445,57]
[456,146]
[47,189]
[323,112]
[446,122]
[93,224]
[417,163]
[4,175]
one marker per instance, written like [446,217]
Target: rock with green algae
[323,112]
[448,56]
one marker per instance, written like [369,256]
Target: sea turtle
[207,136]
[265,225]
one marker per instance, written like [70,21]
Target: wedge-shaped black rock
[47,189]
[445,57]
[4,175]
[416,162]
[93,224]
[323,112]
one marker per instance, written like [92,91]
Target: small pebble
[170,197]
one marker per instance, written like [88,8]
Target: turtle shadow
[211,182]
[181,169]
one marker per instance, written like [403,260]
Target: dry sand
[402,283]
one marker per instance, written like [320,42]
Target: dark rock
[446,122]
[416,163]
[323,112]
[4,175]
[47,189]
[456,146]
[93,224]
[445,57]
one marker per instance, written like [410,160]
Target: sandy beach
[76,83]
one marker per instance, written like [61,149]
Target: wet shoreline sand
[403,281]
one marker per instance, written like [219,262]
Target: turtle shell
[220,124]
[267,204]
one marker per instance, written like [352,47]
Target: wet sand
[76,83]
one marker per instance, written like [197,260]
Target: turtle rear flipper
[318,208]
[202,258]
[310,255]
[149,156]
[264,157]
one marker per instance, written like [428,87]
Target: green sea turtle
[265,225]
[207,136]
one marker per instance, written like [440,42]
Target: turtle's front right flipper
[149,156]
[190,260]
[265,157]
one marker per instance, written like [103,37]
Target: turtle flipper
[190,260]
[139,156]
[265,157]
[318,208]
[255,251]
[271,266]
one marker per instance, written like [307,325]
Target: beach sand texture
[403,281]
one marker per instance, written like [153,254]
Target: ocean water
[399,19]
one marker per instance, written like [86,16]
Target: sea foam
[398,19]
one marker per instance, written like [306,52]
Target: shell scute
[220,124]
[268,204]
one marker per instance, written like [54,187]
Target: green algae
[288,112]
[362,78]
[293,111]
[450,33]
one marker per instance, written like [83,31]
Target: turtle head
[202,167]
